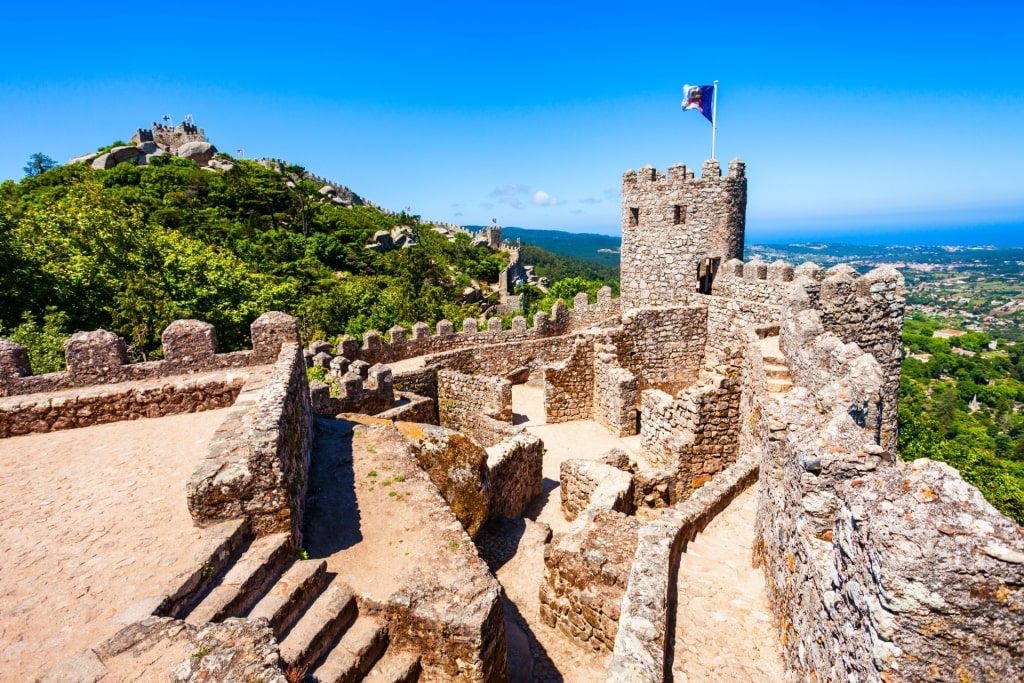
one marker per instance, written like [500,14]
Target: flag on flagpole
[240,152]
[701,98]
[167,118]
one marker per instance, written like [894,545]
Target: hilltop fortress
[718,374]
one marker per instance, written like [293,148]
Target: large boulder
[199,152]
[125,153]
[458,467]
[103,161]
[83,159]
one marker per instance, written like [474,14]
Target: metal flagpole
[714,120]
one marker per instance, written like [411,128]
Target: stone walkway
[515,550]
[95,527]
[724,629]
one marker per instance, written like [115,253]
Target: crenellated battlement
[402,343]
[101,357]
[648,177]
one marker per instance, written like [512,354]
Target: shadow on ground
[536,505]
[332,512]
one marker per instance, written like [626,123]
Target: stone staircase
[316,619]
[779,379]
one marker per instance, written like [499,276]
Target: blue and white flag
[701,98]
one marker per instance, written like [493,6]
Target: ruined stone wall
[569,384]
[412,408]
[586,572]
[840,532]
[501,360]
[71,409]
[421,382]
[464,402]
[640,643]
[671,221]
[516,473]
[696,435]
[448,610]
[587,483]
[257,464]
[615,397]
[101,357]
[663,347]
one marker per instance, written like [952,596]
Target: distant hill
[600,249]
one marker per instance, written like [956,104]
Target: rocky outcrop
[199,152]
[458,467]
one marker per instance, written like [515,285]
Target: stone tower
[677,229]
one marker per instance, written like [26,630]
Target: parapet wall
[400,345]
[101,357]
[640,648]
[257,464]
[877,570]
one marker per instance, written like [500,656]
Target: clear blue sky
[851,117]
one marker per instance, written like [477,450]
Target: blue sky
[851,117]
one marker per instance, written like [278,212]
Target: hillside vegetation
[961,405]
[132,248]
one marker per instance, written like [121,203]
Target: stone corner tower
[677,229]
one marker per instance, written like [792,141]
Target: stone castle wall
[400,345]
[170,137]
[696,435]
[615,397]
[663,347]
[841,528]
[516,471]
[257,464]
[101,357]
[670,221]
[470,403]
[569,384]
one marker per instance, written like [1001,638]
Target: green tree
[38,164]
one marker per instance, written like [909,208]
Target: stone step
[395,667]
[355,654]
[776,371]
[779,386]
[292,593]
[245,581]
[219,546]
[774,360]
[318,629]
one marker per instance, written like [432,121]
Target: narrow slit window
[678,214]
[634,216]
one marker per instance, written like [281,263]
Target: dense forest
[132,248]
